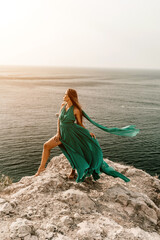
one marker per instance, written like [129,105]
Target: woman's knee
[51,143]
[46,146]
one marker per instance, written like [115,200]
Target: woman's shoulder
[76,110]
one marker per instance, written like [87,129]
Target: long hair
[72,94]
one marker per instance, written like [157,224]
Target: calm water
[31,96]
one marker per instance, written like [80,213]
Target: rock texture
[50,206]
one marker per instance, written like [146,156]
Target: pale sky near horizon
[80,33]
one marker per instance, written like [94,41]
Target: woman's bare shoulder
[76,110]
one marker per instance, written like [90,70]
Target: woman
[79,145]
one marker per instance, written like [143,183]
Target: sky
[80,33]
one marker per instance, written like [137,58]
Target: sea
[30,97]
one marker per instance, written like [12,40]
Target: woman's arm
[58,128]
[79,122]
[78,117]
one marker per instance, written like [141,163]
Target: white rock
[49,235]
[77,198]
[49,227]
[76,215]
[41,234]
[31,237]
[2,200]
[21,228]
[93,229]
[28,237]
[24,230]
[66,220]
[138,233]
[62,237]
[135,203]
[5,208]
[34,237]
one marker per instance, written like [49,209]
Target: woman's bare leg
[51,143]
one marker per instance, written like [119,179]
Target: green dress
[82,150]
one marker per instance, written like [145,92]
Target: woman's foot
[39,171]
[72,174]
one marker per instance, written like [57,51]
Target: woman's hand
[92,134]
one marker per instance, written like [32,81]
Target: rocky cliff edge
[50,206]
